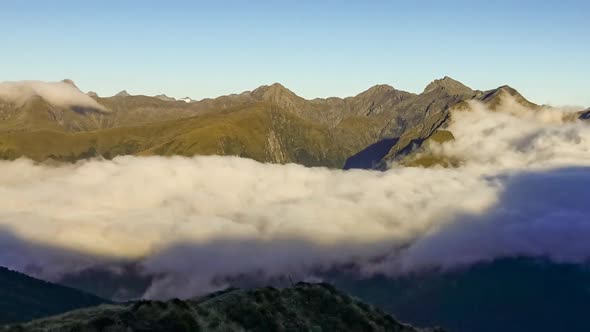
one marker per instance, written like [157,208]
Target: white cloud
[62,94]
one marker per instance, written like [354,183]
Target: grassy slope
[423,158]
[43,144]
[258,131]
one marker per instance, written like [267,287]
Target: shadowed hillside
[516,294]
[304,307]
[23,298]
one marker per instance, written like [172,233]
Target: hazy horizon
[326,49]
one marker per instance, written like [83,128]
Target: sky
[315,48]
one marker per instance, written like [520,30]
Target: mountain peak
[381,87]
[70,82]
[377,99]
[376,89]
[508,89]
[494,97]
[273,88]
[449,85]
[277,85]
[123,93]
[277,94]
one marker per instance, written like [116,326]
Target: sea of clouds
[522,188]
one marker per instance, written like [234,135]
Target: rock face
[304,307]
[268,124]
[411,121]
[24,298]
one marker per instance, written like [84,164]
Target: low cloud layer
[64,94]
[522,189]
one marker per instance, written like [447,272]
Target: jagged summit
[123,93]
[449,85]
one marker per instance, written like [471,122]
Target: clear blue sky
[316,48]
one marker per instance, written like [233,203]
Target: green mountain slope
[304,307]
[24,298]
[258,131]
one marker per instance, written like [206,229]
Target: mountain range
[268,124]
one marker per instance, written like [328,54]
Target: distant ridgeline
[268,124]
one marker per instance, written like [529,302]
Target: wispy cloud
[64,94]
